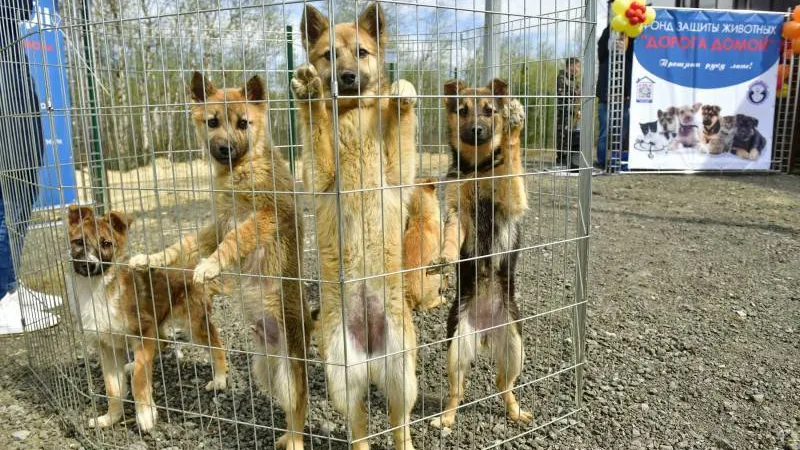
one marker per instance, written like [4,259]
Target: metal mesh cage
[108,86]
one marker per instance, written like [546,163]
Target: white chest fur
[95,304]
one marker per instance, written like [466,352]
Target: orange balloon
[796,46]
[796,14]
[791,30]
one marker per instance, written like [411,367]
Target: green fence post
[290,67]
[392,73]
[96,169]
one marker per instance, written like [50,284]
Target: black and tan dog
[483,229]
[256,232]
[711,124]
[748,142]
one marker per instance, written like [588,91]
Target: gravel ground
[692,339]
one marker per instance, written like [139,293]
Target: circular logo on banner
[757,92]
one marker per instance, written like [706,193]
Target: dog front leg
[510,191]
[239,242]
[318,158]
[112,363]
[400,135]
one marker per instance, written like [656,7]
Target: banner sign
[48,68]
[703,90]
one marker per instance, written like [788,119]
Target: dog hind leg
[460,355]
[509,354]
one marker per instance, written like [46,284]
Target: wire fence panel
[323,224]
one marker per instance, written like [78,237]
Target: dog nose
[348,78]
[477,131]
[223,150]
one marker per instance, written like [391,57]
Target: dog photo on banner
[704,85]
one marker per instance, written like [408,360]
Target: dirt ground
[693,338]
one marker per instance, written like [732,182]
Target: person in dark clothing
[568,90]
[21,154]
[601,91]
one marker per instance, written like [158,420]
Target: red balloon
[635,20]
[630,13]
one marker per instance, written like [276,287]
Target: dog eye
[77,242]
[362,53]
[463,111]
[327,55]
[213,122]
[241,124]
[106,244]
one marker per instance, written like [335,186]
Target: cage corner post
[584,199]
[97,172]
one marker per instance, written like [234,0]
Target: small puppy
[688,133]
[355,172]
[748,142]
[668,121]
[256,232]
[119,308]
[711,124]
[722,142]
[484,217]
[421,246]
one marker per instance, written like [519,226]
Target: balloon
[796,45]
[634,30]
[620,6]
[791,30]
[796,14]
[649,16]
[618,23]
[630,13]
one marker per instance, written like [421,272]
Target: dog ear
[76,214]
[716,109]
[312,25]
[660,114]
[755,122]
[697,107]
[254,89]
[201,88]
[119,221]
[498,87]
[451,89]
[373,22]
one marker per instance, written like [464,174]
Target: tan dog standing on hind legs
[256,229]
[119,308]
[354,171]
[483,229]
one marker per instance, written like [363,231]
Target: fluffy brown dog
[375,153]
[483,228]
[116,306]
[422,245]
[256,230]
